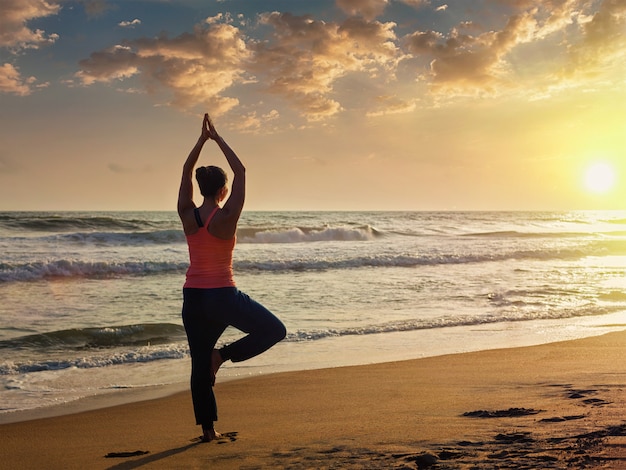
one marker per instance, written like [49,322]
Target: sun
[599,177]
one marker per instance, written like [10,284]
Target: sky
[330,104]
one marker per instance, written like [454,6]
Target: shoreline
[541,406]
[93,403]
[445,341]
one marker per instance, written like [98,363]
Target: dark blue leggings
[206,314]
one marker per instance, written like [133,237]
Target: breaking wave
[103,347]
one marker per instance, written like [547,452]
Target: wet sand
[558,405]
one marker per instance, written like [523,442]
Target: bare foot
[216,362]
[209,435]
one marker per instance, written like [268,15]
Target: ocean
[90,301]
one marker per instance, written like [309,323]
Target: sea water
[90,301]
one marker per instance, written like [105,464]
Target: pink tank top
[211,259]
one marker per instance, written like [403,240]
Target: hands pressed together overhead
[208,129]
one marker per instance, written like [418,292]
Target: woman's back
[211,258]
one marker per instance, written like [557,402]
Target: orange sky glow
[332,105]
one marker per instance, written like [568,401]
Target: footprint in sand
[510,413]
[580,394]
[560,419]
[227,437]
[575,394]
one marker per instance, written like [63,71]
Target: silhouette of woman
[211,301]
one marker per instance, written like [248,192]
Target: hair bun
[210,179]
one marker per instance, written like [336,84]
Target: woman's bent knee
[279,332]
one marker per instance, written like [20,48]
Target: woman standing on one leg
[211,302]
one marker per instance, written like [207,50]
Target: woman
[211,302]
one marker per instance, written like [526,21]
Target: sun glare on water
[599,177]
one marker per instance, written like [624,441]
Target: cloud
[129,24]
[468,59]
[606,28]
[252,123]
[16,35]
[11,82]
[115,63]
[302,61]
[306,57]
[14,16]
[195,68]
[392,105]
[249,122]
[604,39]
[593,33]
[368,9]
[309,62]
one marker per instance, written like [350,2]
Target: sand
[558,405]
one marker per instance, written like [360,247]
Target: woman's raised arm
[185,193]
[228,217]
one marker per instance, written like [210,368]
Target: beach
[467,340]
[557,405]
